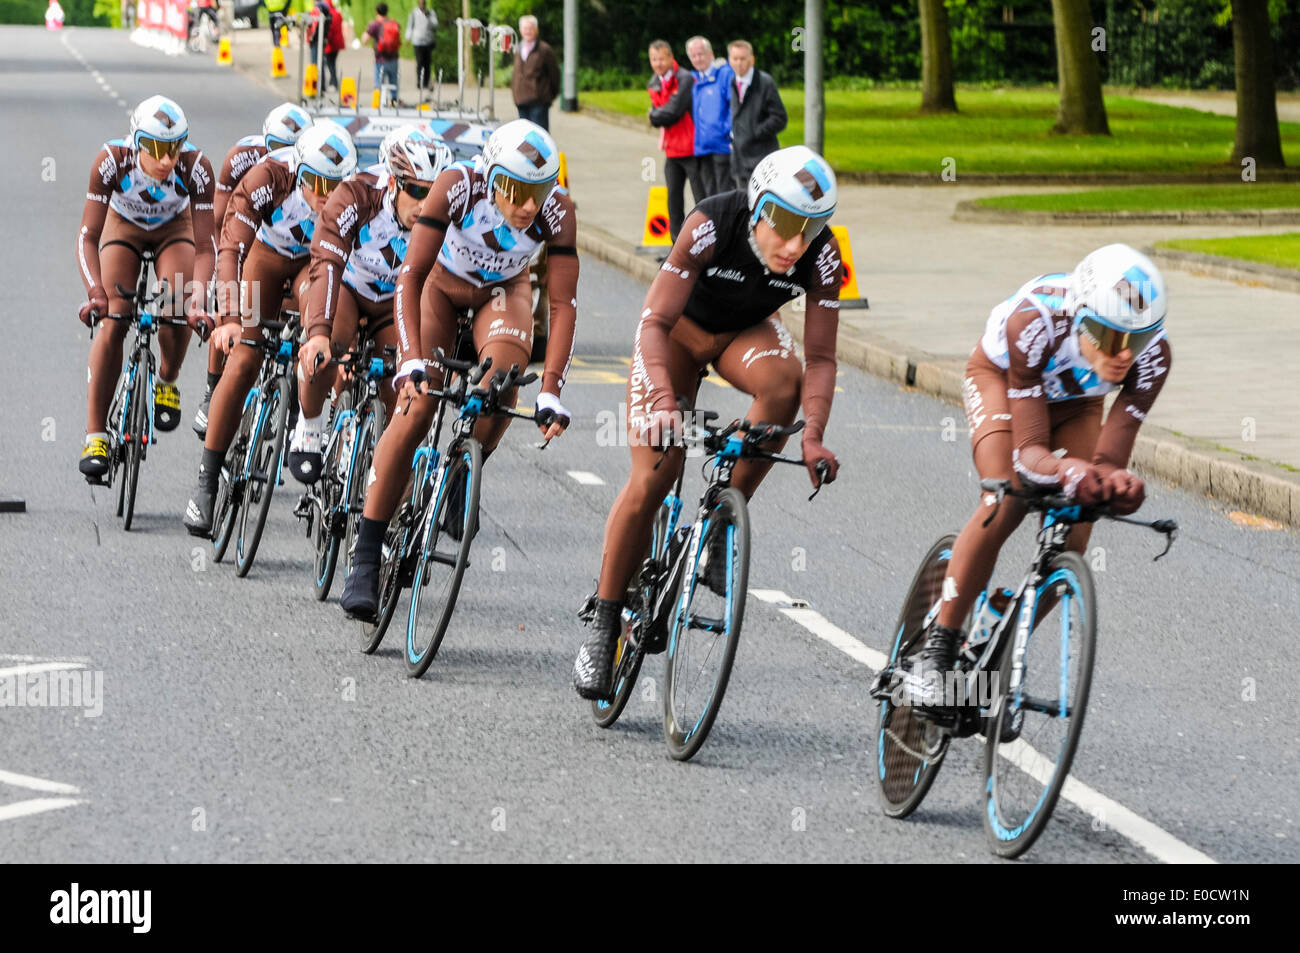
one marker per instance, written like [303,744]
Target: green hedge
[75,12]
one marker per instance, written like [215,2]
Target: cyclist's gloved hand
[813,453]
[1081,481]
[551,416]
[312,356]
[410,382]
[1127,492]
[201,322]
[96,306]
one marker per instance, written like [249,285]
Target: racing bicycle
[1026,695]
[689,595]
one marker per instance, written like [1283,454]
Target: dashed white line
[1154,840]
[36,784]
[585,478]
[36,805]
[33,668]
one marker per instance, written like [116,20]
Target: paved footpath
[931,280]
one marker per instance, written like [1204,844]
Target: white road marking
[41,658]
[585,478]
[1154,840]
[33,668]
[36,784]
[37,805]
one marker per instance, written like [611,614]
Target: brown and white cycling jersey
[269,207]
[1035,341]
[358,242]
[118,182]
[243,155]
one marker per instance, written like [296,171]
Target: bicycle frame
[277,365]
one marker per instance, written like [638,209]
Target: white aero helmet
[794,191]
[1118,298]
[522,162]
[284,124]
[410,154]
[326,156]
[159,127]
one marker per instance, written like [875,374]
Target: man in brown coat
[536,79]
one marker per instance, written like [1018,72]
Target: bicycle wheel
[327,497]
[1043,718]
[443,558]
[268,442]
[909,749]
[705,629]
[398,551]
[230,485]
[138,410]
[117,451]
[630,652]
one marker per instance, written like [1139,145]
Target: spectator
[535,80]
[757,113]
[276,18]
[711,113]
[333,43]
[670,110]
[420,27]
[386,34]
[54,16]
[318,31]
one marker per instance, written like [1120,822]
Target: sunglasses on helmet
[1111,341]
[318,183]
[159,148]
[517,192]
[788,224]
[273,143]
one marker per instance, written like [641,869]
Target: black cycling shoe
[360,599]
[593,669]
[924,683]
[198,512]
[94,459]
[201,416]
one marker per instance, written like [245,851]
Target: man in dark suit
[757,113]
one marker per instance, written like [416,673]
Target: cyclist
[150,191]
[738,258]
[264,245]
[481,225]
[1037,381]
[358,248]
[282,127]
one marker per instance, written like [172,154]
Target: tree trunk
[936,58]
[1082,110]
[1258,136]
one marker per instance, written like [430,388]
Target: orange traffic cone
[348,91]
[277,63]
[310,81]
[224,58]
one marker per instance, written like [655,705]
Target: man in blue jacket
[711,110]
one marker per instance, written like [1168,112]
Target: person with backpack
[386,34]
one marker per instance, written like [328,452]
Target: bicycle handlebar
[1044,499]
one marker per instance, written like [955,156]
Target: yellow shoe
[166,406]
[94,459]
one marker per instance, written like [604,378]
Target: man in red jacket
[670,110]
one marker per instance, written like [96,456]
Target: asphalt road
[239,722]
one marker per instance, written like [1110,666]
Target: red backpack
[390,40]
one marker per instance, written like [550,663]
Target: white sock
[92,436]
[311,426]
